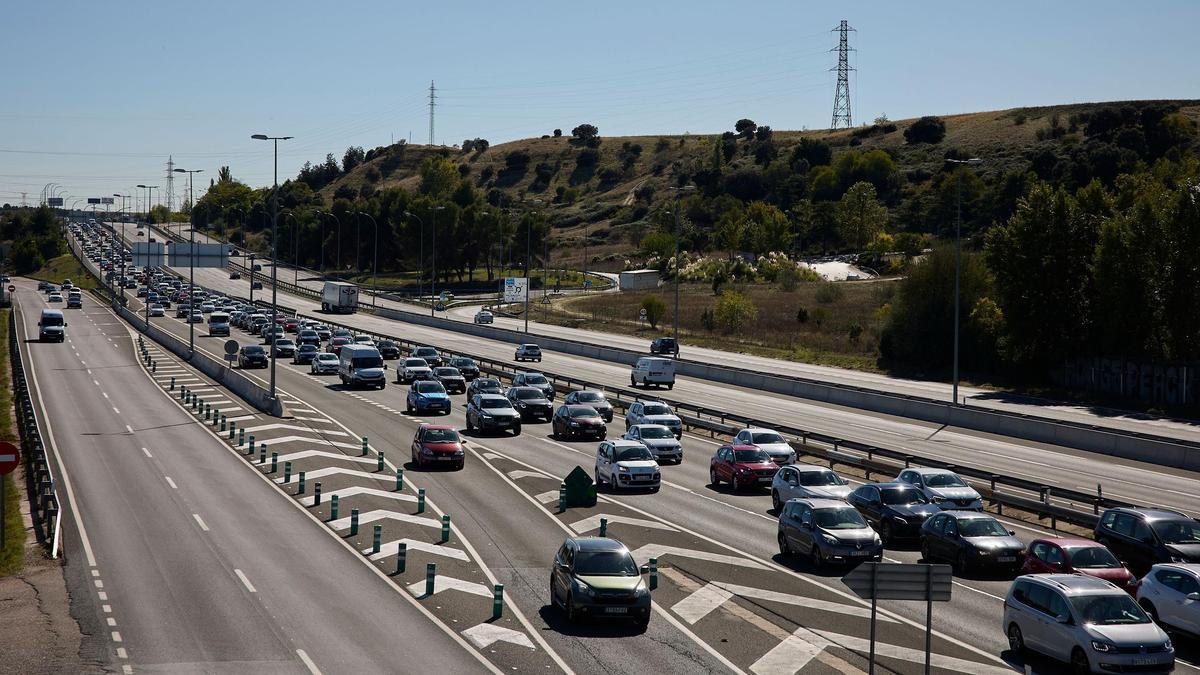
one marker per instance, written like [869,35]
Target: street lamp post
[421,267]
[974,161]
[433,254]
[191,257]
[274,250]
[678,205]
[339,235]
[375,262]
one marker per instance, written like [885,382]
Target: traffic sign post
[890,581]
[10,457]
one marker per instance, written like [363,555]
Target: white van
[218,324]
[361,366]
[52,327]
[653,370]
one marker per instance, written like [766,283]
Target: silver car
[653,412]
[324,363]
[659,439]
[1170,594]
[1086,622]
[807,481]
[944,488]
[770,442]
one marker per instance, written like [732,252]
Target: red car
[335,345]
[742,466]
[291,325]
[1064,555]
[437,445]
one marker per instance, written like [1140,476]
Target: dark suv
[1143,537]
[664,345]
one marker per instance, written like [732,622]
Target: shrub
[557,133]
[734,310]
[655,308]
[928,129]
[819,315]
[587,157]
[828,293]
[585,132]
[517,159]
[802,315]
[707,320]
[789,278]
[372,175]
[855,332]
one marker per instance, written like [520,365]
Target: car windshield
[633,454]
[528,394]
[447,372]
[1092,557]
[656,410]
[425,351]
[535,379]
[582,411]
[768,437]
[340,340]
[253,350]
[415,363]
[657,432]
[748,456]
[1108,610]
[1177,531]
[589,397]
[463,363]
[981,527]
[284,343]
[902,496]
[366,362]
[605,564]
[429,388]
[493,403]
[944,480]
[387,343]
[840,518]
[52,321]
[327,357]
[308,348]
[487,384]
[441,436]
[816,478]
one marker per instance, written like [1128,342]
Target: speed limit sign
[642,314]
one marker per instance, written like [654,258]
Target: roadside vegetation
[63,267]
[12,556]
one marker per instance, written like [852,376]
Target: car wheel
[632,382]
[408,408]
[570,608]
[735,484]
[1016,641]
[925,557]
[885,533]
[785,549]
[775,503]
[516,430]
[643,621]
[815,558]
[470,427]
[1079,662]
[1149,607]
[712,478]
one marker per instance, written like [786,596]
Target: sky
[97,95]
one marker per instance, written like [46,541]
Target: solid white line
[122,654]
[200,521]
[308,663]
[245,581]
[128,428]
[116,411]
[104,394]
[147,453]
[171,483]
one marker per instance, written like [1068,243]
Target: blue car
[428,395]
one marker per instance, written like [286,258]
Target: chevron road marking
[659,550]
[443,582]
[389,548]
[699,604]
[593,522]
[380,514]
[293,427]
[357,490]
[486,634]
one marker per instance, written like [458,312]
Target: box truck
[339,297]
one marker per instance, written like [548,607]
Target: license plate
[765,479]
[1007,558]
[445,459]
[1145,662]
[616,610]
[859,554]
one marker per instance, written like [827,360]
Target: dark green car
[597,577]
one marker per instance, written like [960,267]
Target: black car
[971,540]
[466,366]
[592,398]
[388,349]
[484,385]
[895,510]
[530,402]
[252,356]
[234,275]
[305,353]
[664,345]
[1143,537]
[492,412]
[451,379]
[430,354]
[308,337]
[578,420]
[826,531]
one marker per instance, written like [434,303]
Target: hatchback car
[1086,622]
[438,445]
[826,531]
[484,385]
[427,395]
[492,412]
[770,442]
[571,421]
[324,363]
[336,344]
[1061,555]
[283,347]
[597,577]
[622,464]
[944,488]
[593,398]
[55,297]
[484,316]
[466,366]
[388,349]
[308,336]
[536,380]
[660,440]
[451,379]
[528,352]
[530,402]
[971,540]
[1170,594]
[742,466]
[643,411]
[305,353]
[895,510]
[1143,537]
[156,310]
[364,340]
[430,354]
[806,481]
[252,356]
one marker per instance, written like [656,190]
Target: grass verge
[65,267]
[12,556]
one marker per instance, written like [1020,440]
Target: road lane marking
[200,521]
[245,581]
[485,634]
[171,483]
[308,663]
[147,453]
[122,654]
[128,428]
[116,410]
[116,637]
[444,582]
[112,623]
[388,549]
[104,394]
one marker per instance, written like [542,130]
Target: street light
[274,249]
[191,258]
[149,195]
[421,267]
[974,161]
[191,198]
[433,255]
[375,262]
[678,205]
[339,235]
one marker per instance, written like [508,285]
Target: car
[336,344]
[593,398]
[742,466]
[257,286]
[324,363]
[659,440]
[1143,537]
[570,421]
[664,345]
[235,275]
[806,481]
[291,325]
[427,395]
[770,442]
[484,385]
[492,412]
[536,380]
[650,411]
[51,288]
[252,356]
[430,354]
[1170,594]
[826,531]
[971,540]
[44,286]
[207,307]
[142,292]
[466,366]
[75,301]
[343,332]
[55,297]
[182,310]
[272,333]
[364,340]
[622,464]
[305,353]
[1085,622]
[52,326]
[323,332]
[156,310]
[1063,555]
[361,366]
[896,510]
[387,348]
[597,577]
[653,370]
[528,352]
[308,337]
[530,402]
[196,317]
[438,445]
[413,369]
[451,379]
[942,487]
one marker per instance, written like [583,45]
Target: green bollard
[421,500]
[251,451]
[430,578]
[207,411]
[287,470]
[653,573]
[172,384]
[445,528]
[223,425]
[401,558]
[399,479]
[604,527]
[183,393]
[497,601]
[216,417]
[274,460]
[562,497]
[379,464]
[316,492]
[353,522]
[195,402]
[242,437]
[376,539]
[333,508]
[232,428]
[154,366]
[262,454]
[364,446]
[300,487]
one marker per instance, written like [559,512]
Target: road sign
[896,581]
[106,200]
[12,289]
[515,289]
[231,347]
[147,254]
[642,314]
[206,255]
[10,456]
[93,200]
[54,201]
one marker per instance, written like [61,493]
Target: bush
[855,332]
[557,133]
[517,159]
[802,315]
[585,132]
[828,293]
[928,129]
[588,157]
[707,320]
[655,308]
[372,175]
[734,310]
[789,278]
[819,315]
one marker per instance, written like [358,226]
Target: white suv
[770,442]
[653,412]
[626,464]
[1086,622]
[529,352]
[1170,594]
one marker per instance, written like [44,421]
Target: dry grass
[12,556]
[65,267]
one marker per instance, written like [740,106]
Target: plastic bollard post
[421,500]
[353,522]
[445,528]
[317,493]
[376,539]
[401,558]
[224,424]
[379,463]
[399,479]
[262,454]
[364,446]
[274,460]
[562,497]
[242,437]
[287,471]
[300,487]
[251,450]
[497,601]
[430,578]
[232,429]
[333,508]
[604,527]
[172,384]
[653,573]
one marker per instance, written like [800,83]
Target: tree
[655,308]
[734,311]
[658,243]
[585,132]
[767,228]
[745,128]
[353,157]
[557,133]
[468,145]
[224,175]
[439,177]
[860,215]
[727,235]
[763,133]
[481,145]
[928,129]
[815,152]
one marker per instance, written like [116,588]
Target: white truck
[339,297]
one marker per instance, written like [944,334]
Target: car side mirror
[1012,532]
[1195,597]
[1063,618]
[645,568]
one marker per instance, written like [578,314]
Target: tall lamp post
[191,258]
[149,196]
[433,277]
[678,205]
[421,267]
[274,249]
[339,235]
[375,262]
[974,161]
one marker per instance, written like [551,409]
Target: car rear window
[493,403]
[656,410]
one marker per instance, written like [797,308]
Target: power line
[841,97]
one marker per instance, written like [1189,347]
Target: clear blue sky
[103,92]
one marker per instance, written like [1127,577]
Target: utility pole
[432,104]
[974,161]
[841,97]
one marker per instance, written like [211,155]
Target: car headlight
[829,539]
[574,424]
[585,589]
[1167,646]
[938,500]
[520,404]
[1102,646]
[623,469]
[484,413]
[877,540]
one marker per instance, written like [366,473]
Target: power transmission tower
[432,97]
[170,181]
[841,98]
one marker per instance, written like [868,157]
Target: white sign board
[207,255]
[146,254]
[515,289]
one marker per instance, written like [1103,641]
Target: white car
[623,464]
[484,316]
[55,297]
[207,307]
[807,481]
[1170,594]
[944,488]
[324,363]
[653,412]
[415,369]
[156,310]
[528,352]
[770,442]
[659,439]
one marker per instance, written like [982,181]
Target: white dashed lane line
[246,582]
[171,483]
[200,522]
